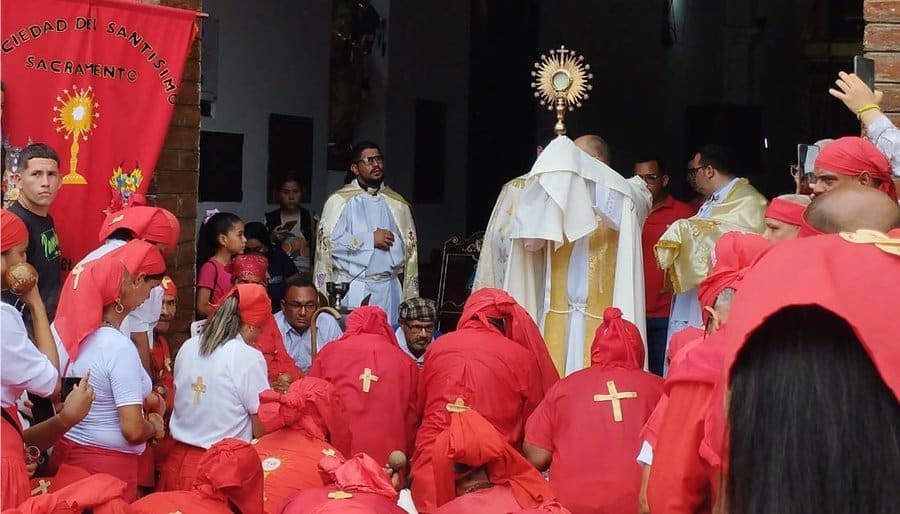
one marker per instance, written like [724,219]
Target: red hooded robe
[299,426]
[473,441]
[598,474]
[376,381]
[680,481]
[359,485]
[228,473]
[502,375]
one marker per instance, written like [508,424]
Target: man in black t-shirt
[38,181]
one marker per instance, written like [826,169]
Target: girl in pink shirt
[221,238]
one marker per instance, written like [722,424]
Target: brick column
[882,43]
[175,181]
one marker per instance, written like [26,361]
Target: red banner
[97,81]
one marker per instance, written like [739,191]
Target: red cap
[253,303]
[231,469]
[100,493]
[92,286]
[252,267]
[12,230]
[361,474]
[153,224]
[617,343]
[785,211]
[169,287]
[854,155]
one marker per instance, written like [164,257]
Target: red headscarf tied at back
[231,470]
[91,287]
[153,224]
[100,493]
[369,319]
[169,287]
[311,405]
[735,252]
[785,211]
[361,474]
[617,343]
[12,231]
[853,156]
[254,303]
[252,267]
[473,441]
[495,303]
[847,291]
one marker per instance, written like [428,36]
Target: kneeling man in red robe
[229,479]
[614,397]
[377,383]
[477,471]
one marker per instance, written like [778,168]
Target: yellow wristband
[867,108]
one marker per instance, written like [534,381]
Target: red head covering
[473,441]
[153,224]
[12,231]
[617,343]
[853,156]
[252,267]
[785,211]
[253,303]
[495,303]
[735,252]
[169,287]
[369,319]
[231,470]
[92,286]
[101,493]
[361,474]
[848,291]
[312,406]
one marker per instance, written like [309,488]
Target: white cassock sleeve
[645,457]
[24,366]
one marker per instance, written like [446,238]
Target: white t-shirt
[216,394]
[22,366]
[145,317]
[118,379]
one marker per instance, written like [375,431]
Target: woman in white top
[92,305]
[218,378]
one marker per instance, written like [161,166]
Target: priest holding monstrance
[575,240]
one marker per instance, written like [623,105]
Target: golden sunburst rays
[562,81]
[76,115]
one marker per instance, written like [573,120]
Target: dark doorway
[504,46]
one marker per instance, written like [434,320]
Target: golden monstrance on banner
[561,82]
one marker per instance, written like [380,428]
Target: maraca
[20,278]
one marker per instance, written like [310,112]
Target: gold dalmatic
[603,245]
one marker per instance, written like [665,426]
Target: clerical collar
[372,190]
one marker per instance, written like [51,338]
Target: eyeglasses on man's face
[650,178]
[369,161]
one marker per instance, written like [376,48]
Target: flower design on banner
[75,116]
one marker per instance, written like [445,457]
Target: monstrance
[561,82]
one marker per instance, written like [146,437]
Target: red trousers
[123,466]
[180,469]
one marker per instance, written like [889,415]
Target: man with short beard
[367,238]
[416,329]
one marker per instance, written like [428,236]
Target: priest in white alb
[367,237]
[575,247]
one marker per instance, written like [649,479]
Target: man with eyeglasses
[300,301]
[367,237]
[664,212]
[682,252]
[415,331]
